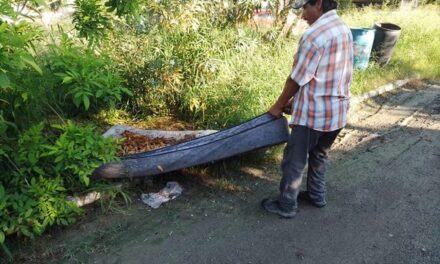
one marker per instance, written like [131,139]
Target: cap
[299,4]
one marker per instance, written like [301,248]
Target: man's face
[311,13]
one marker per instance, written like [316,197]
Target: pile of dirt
[133,143]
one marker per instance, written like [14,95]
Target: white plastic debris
[116,131]
[89,198]
[170,192]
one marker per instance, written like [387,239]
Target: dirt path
[383,205]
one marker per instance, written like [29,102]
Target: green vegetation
[415,54]
[39,171]
[219,76]
[203,62]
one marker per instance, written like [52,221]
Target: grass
[415,54]
[230,75]
[250,81]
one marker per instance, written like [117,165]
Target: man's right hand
[287,109]
[289,90]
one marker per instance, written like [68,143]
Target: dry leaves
[134,143]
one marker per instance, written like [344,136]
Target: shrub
[85,79]
[79,151]
[39,169]
[212,77]
[16,41]
[89,20]
[33,207]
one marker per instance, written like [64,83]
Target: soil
[383,203]
[134,143]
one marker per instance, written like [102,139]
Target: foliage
[39,171]
[16,60]
[171,71]
[5,126]
[6,8]
[66,78]
[124,8]
[14,55]
[194,14]
[89,20]
[34,207]
[79,151]
[85,78]
[345,4]
[415,53]
[199,60]
[30,152]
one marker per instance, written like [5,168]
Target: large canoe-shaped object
[262,131]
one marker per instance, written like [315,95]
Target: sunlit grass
[220,77]
[416,53]
[250,79]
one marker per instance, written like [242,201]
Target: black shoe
[273,206]
[304,196]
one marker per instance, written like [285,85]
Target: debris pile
[133,143]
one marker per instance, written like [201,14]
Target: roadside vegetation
[201,62]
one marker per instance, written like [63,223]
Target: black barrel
[385,39]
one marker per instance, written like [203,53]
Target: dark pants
[305,144]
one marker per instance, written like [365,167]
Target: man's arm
[289,90]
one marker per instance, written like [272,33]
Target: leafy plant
[79,151]
[30,210]
[52,206]
[31,150]
[124,8]
[44,165]
[87,78]
[89,20]
[15,40]
[16,58]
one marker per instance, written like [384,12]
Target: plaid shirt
[323,69]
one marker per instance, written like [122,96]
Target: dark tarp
[259,132]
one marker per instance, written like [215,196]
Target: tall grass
[249,78]
[213,77]
[217,77]
[415,53]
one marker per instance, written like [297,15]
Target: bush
[39,169]
[213,77]
[35,206]
[16,60]
[78,152]
[89,20]
[85,79]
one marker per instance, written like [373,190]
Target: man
[317,91]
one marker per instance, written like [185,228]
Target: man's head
[313,9]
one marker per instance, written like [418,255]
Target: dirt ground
[383,204]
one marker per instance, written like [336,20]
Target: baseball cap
[300,3]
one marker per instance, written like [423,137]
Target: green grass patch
[415,54]
[217,77]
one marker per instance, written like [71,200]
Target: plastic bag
[170,192]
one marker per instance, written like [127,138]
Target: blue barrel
[363,39]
